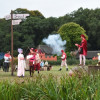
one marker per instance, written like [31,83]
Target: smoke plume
[55,42]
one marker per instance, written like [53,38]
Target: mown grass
[50,85]
[54,71]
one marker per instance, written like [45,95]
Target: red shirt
[84,46]
[31,59]
[64,55]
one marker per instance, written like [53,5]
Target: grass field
[54,71]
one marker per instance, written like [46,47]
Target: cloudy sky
[48,8]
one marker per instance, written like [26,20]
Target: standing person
[7,59]
[37,61]
[21,63]
[63,62]
[31,57]
[42,64]
[82,48]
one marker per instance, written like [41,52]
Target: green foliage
[58,62]
[71,33]
[4,35]
[52,88]
[15,62]
[32,13]
[89,19]
[29,33]
[73,61]
[91,62]
[68,55]
[36,27]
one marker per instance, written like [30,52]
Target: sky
[49,8]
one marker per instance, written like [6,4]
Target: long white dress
[21,66]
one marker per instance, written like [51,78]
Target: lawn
[54,71]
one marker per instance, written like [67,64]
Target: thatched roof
[45,49]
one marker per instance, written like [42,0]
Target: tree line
[31,31]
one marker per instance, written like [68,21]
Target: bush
[58,62]
[73,61]
[91,62]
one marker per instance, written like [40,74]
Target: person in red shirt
[83,48]
[63,62]
[37,61]
[31,57]
[7,59]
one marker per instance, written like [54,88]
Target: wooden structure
[93,69]
[90,55]
[48,58]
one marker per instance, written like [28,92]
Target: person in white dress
[21,63]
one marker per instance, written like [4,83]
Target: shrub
[73,61]
[91,62]
[58,62]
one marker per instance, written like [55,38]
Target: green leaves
[36,27]
[71,33]
[33,13]
[51,87]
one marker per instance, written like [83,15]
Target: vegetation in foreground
[51,87]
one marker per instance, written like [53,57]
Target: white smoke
[56,43]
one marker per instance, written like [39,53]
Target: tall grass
[86,87]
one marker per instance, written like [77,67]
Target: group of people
[45,66]
[34,62]
[34,59]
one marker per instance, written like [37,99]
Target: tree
[35,29]
[5,30]
[32,13]
[71,33]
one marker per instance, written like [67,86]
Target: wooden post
[11,43]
